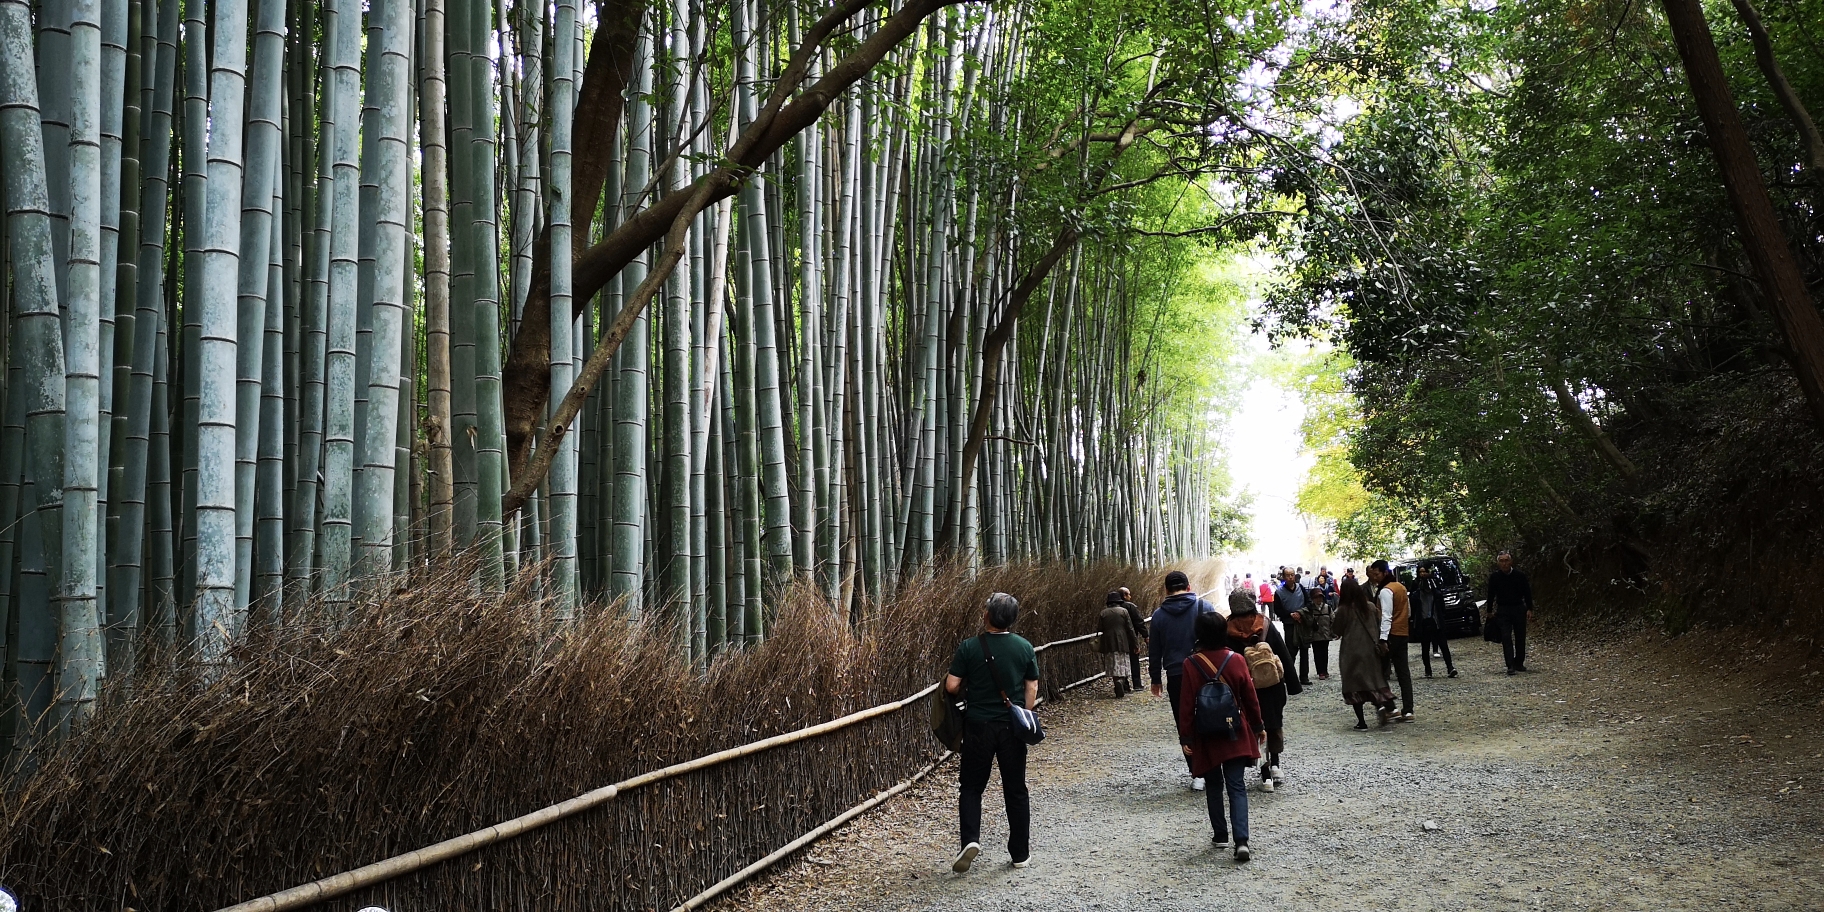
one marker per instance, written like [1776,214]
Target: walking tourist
[1428,620]
[1289,606]
[1173,637]
[1510,601]
[1117,643]
[1325,583]
[1271,669]
[1315,634]
[977,673]
[1396,630]
[1139,622]
[1358,653]
[1220,754]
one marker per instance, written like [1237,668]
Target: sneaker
[1266,785]
[1241,853]
[1196,784]
[1403,717]
[1453,673]
[1023,862]
[1220,840]
[966,858]
[1279,778]
[1361,726]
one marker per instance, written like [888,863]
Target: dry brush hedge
[435,712]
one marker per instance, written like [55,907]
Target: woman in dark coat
[1358,625]
[1249,626]
[1117,643]
[1213,754]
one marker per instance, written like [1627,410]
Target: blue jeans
[1234,782]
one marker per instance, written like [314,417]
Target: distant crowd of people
[1227,676]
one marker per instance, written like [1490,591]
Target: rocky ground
[1628,773]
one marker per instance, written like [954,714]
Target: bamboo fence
[420,878]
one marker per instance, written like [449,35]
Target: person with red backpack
[1220,728]
[1258,641]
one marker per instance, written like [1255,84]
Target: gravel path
[1618,776]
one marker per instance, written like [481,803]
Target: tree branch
[775,125]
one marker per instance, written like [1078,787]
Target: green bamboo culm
[218,617]
[37,342]
[259,189]
[335,533]
[79,654]
[390,96]
[562,485]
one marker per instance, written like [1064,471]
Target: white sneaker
[966,857]
[1024,863]
[1242,854]
[1278,777]
[1266,785]
[1196,784]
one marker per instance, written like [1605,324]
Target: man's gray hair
[1003,610]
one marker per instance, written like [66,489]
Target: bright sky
[1266,458]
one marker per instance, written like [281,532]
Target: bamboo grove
[668,303]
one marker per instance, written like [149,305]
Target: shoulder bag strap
[1214,671]
[994,672]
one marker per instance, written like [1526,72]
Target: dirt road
[1617,776]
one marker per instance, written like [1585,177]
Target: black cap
[1177,580]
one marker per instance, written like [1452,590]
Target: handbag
[947,719]
[1491,628]
[1023,719]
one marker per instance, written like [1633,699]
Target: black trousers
[1133,659]
[1322,649]
[1513,637]
[984,743]
[1432,634]
[1398,664]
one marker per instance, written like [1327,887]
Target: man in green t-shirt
[989,733]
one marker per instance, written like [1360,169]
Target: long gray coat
[1359,661]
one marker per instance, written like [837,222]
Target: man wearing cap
[1173,639]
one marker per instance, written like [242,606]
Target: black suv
[1460,616]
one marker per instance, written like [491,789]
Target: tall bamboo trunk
[37,343]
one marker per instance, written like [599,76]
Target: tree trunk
[1762,237]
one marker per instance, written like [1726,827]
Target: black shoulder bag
[1023,719]
[947,718]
